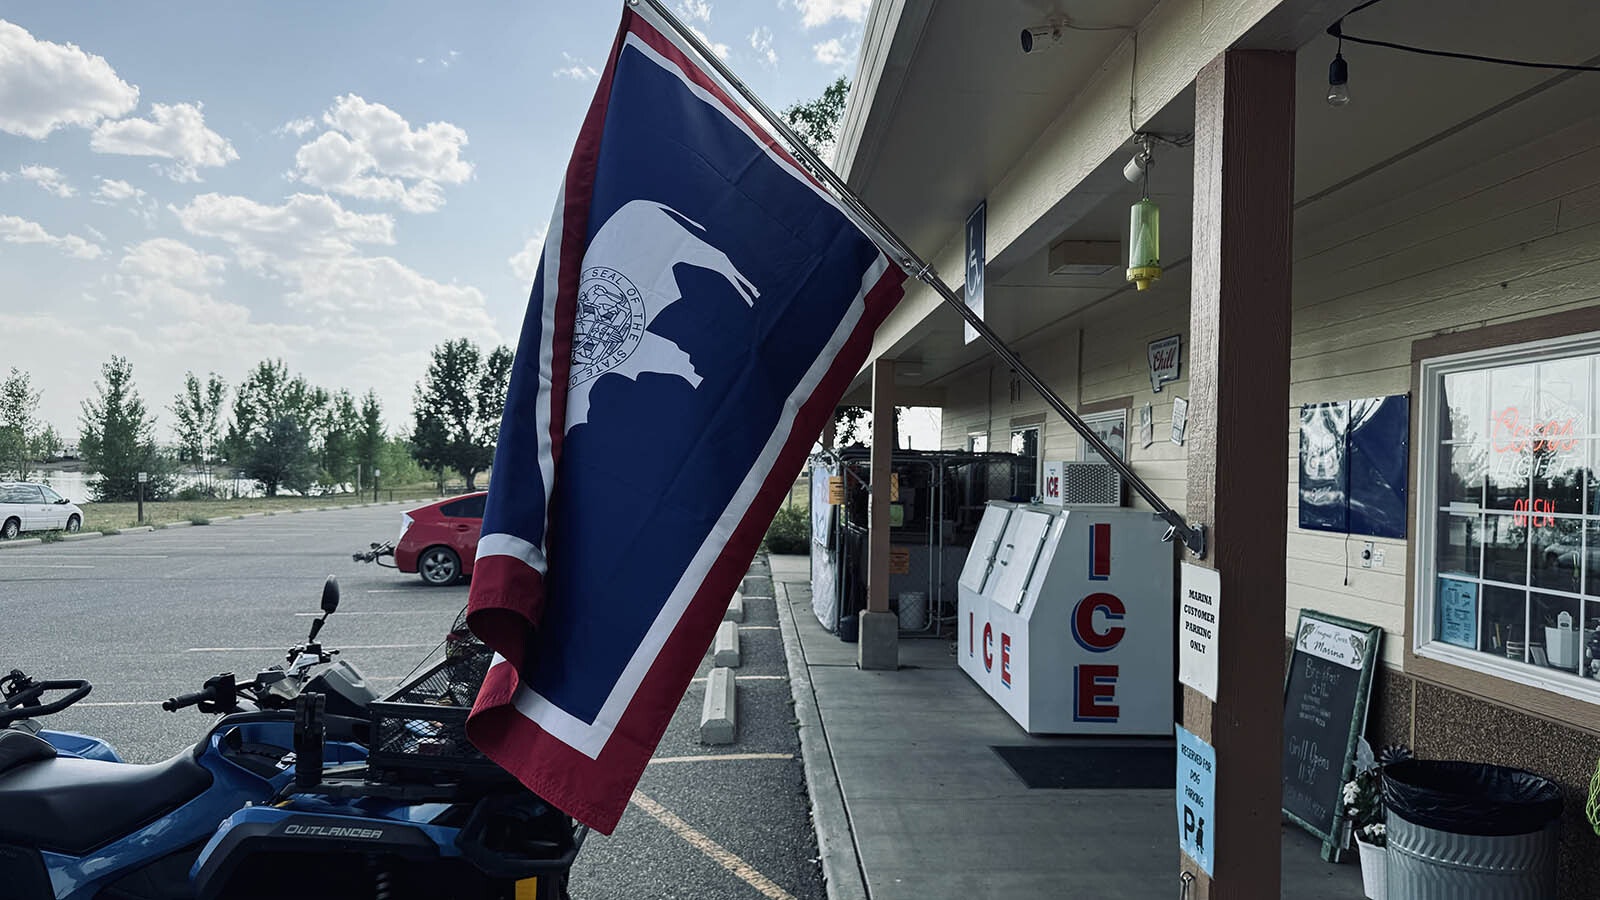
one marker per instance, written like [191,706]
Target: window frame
[1568,698]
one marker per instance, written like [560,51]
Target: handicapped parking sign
[1197,788]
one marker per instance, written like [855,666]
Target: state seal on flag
[609,325]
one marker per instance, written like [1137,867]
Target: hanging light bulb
[1144,243]
[1338,78]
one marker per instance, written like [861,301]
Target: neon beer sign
[1532,448]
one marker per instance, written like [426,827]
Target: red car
[439,541]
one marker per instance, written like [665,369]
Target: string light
[1339,70]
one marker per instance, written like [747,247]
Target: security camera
[1040,37]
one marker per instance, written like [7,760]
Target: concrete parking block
[719,722]
[177,525]
[19,542]
[735,610]
[725,652]
[137,529]
[82,536]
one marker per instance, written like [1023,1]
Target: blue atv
[284,796]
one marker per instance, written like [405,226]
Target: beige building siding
[1515,236]
[1097,356]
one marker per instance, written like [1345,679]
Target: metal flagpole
[1193,536]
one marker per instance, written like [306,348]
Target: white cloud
[298,127]
[304,225]
[525,263]
[372,153]
[45,86]
[173,280]
[832,52]
[694,11]
[820,12]
[50,179]
[14,230]
[721,50]
[113,191]
[575,69]
[761,43]
[177,132]
[311,243]
[351,289]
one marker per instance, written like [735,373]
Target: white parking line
[121,703]
[382,612]
[389,591]
[280,649]
[40,566]
[718,854]
[37,555]
[747,678]
[719,757]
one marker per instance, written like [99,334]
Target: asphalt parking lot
[147,616]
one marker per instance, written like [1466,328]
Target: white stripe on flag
[513,546]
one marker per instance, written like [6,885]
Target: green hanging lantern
[1144,243]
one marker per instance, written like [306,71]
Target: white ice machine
[1066,618]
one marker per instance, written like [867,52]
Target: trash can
[1458,829]
[913,610]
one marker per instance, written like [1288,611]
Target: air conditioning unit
[1090,484]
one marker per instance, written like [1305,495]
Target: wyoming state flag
[700,306]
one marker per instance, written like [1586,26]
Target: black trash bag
[1470,798]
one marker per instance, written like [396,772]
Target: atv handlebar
[21,696]
[173,704]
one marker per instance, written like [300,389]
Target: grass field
[110,516]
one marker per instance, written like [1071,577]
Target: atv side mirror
[330,602]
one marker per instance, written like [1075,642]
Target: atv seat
[18,748]
[74,806]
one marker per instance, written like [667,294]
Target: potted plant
[1363,805]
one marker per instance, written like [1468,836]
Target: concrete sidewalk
[910,801]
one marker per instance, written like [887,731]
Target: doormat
[1088,767]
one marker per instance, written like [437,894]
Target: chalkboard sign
[1324,714]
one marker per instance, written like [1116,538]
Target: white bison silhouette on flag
[628,279]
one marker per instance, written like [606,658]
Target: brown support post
[1238,452]
[879,633]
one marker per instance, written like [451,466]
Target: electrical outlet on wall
[1377,558]
[1366,555]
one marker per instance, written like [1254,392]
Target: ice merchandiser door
[972,607]
[1018,551]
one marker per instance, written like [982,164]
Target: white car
[25,506]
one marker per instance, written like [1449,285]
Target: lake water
[77,485]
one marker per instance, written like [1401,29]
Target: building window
[978,442]
[1110,427]
[1025,444]
[1508,559]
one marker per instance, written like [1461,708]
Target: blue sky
[344,185]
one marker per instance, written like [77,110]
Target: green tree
[458,407]
[341,433]
[370,437]
[817,121]
[48,444]
[118,440]
[197,410]
[20,429]
[275,420]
